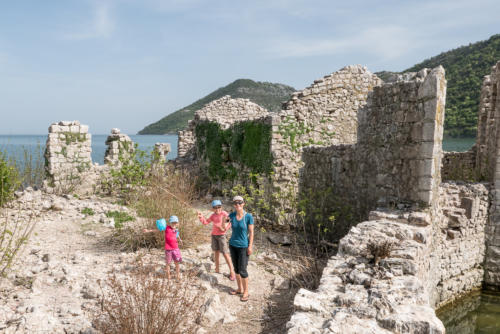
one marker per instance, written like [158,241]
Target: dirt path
[53,287]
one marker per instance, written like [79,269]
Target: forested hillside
[465,68]
[266,94]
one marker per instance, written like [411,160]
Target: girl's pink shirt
[216,220]
[171,239]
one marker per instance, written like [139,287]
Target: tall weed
[14,234]
[145,301]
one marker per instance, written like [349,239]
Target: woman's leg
[234,258]
[216,259]
[243,262]
[244,283]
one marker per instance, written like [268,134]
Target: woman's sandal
[244,298]
[235,293]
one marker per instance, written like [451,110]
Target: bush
[145,301]
[168,192]
[379,250]
[14,233]
[88,211]
[9,179]
[120,217]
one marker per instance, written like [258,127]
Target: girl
[172,251]
[219,243]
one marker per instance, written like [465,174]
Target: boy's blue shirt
[239,237]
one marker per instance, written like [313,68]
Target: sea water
[15,145]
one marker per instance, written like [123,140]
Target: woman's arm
[250,239]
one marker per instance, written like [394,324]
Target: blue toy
[161,224]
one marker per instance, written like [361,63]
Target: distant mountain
[266,94]
[465,68]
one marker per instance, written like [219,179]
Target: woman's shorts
[219,243]
[173,254]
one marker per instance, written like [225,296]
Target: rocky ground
[53,287]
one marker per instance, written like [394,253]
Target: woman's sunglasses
[237,202]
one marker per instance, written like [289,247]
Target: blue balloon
[161,224]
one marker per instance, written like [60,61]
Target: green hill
[266,94]
[465,68]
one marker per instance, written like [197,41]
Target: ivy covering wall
[244,147]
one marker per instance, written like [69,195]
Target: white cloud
[384,41]
[101,26]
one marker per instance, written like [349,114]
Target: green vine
[246,144]
[71,137]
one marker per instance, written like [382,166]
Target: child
[172,251]
[219,228]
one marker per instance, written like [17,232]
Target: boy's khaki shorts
[219,243]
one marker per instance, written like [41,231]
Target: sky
[128,63]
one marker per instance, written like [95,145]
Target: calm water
[476,313]
[458,144]
[14,144]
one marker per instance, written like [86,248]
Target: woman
[240,245]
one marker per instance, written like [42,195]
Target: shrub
[145,301]
[168,192]
[379,250]
[14,233]
[88,211]
[9,179]
[120,217]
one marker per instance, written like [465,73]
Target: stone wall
[458,241]
[460,166]
[324,113]
[396,159]
[357,296]
[225,111]
[119,146]
[488,162]
[67,155]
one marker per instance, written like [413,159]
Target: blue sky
[127,63]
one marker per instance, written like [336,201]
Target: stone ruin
[67,154]
[377,148]
[68,160]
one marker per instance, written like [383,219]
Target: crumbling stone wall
[396,160]
[119,145]
[488,163]
[458,241]
[358,295]
[225,111]
[324,113]
[436,256]
[460,166]
[67,155]
[162,150]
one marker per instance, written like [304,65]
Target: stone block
[84,128]
[74,128]
[428,131]
[54,128]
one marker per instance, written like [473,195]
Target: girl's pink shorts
[173,254]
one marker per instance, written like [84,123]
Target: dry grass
[15,230]
[379,250]
[145,301]
[168,193]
